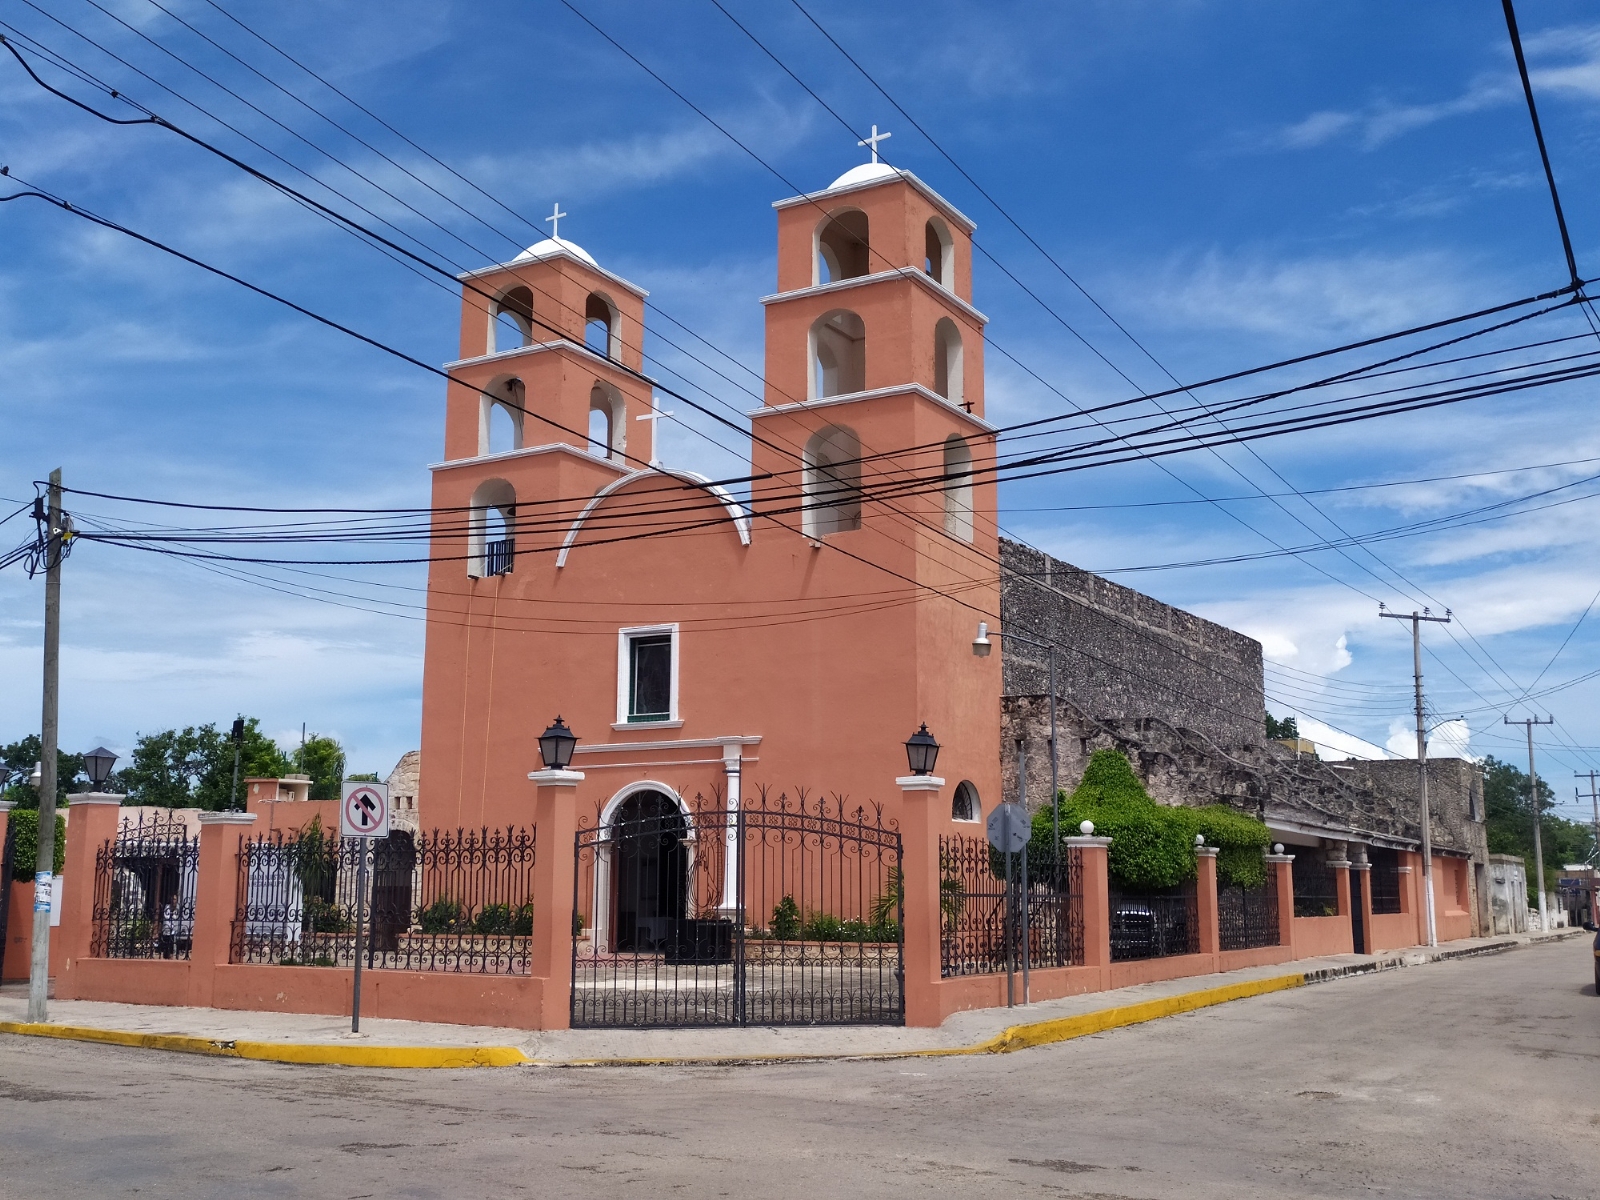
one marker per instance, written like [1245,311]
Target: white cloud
[1335,744]
[1326,297]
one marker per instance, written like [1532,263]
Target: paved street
[1462,1079]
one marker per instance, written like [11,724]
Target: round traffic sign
[366,812]
[1009,828]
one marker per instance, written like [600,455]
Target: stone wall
[1124,654]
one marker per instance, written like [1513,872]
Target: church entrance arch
[649,871]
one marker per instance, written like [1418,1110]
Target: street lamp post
[981,646]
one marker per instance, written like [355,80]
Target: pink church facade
[699,644]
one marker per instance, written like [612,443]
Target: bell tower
[874,359]
[544,404]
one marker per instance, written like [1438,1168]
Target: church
[698,642]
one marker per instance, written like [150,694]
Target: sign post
[1008,831]
[364,814]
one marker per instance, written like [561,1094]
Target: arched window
[600,326]
[513,320]
[964,805]
[491,529]
[832,482]
[608,421]
[939,253]
[500,417]
[948,376]
[838,355]
[842,248]
[957,488]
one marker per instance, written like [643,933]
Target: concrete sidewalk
[288,1037]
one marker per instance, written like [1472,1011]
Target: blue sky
[1236,183]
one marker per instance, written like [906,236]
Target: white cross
[654,416]
[556,214]
[874,140]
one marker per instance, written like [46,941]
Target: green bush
[1240,841]
[1152,845]
[786,920]
[25,851]
[324,917]
[442,916]
[503,919]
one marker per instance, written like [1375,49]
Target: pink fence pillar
[91,823]
[216,899]
[920,819]
[1282,868]
[1205,894]
[5,817]
[555,815]
[1095,883]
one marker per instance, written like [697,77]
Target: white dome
[865,173]
[551,246]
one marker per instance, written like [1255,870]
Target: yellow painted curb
[1017,1037]
[285,1052]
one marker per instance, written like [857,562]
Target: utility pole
[54,534]
[1594,798]
[1416,619]
[1533,797]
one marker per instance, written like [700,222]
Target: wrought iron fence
[1316,890]
[1385,880]
[1154,924]
[144,889]
[980,918]
[784,911]
[438,901]
[1248,917]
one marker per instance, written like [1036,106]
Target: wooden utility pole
[54,536]
[1416,619]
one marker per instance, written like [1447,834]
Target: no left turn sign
[364,811]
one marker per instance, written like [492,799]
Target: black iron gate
[781,912]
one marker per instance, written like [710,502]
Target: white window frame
[625,638]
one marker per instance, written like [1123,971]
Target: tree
[193,766]
[322,758]
[1278,730]
[1508,813]
[20,756]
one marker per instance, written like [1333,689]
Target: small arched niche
[958,488]
[600,325]
[843,250]
[939,253]
[838,354]
[608,421]
[948,375]
[491,529]
[513,321]
[964,805]
[832,481]
[500,412]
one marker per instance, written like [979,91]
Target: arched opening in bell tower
[958,488]
[939,253]
[947,368]
[500,417]
[608,421]
[832,481]
[843,251]
[838,354]
[513,321]
[491,528]
[600,325]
